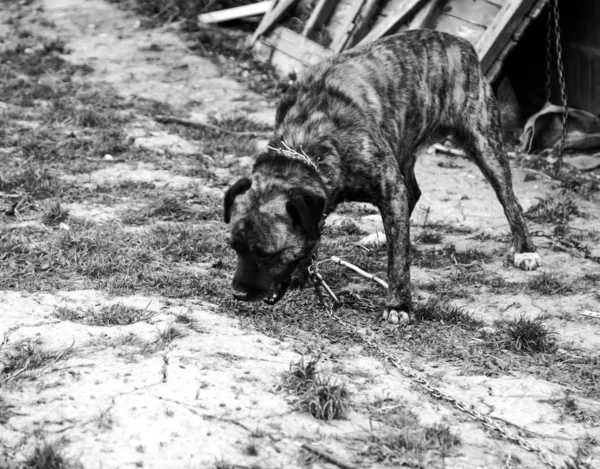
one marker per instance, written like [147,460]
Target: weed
[549,284]
[402,441]
[104,420]
[300,376]
[169,334]
[318,396]
[55,214]
[435,310]
[27,356]
[429,237]
[325,400]
[48,456]
[119,314]
[64,313]
[251,449]
[553,209]
[530,335]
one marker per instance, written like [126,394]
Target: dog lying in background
[349,129]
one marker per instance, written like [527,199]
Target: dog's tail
[510,112]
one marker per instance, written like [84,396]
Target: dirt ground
[120,346]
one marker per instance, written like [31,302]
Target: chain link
[409,372]
[553,26]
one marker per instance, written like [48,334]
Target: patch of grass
[553,209]
[48,456]
[435,310]
[36,181]
[64,313]
[529,335]
[55,214]
[549,284]
[448,255]
[251,448]
[429,237]
[318,396]
[170,333]
[118,314]
[169,208]
[400,440]
[26,356]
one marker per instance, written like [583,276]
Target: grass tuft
[530,335]
[64,313]
[429,237]
[400,440]
[48,456]
[119,314]
[549,284]
[553,209]
[435,310]
[319,396]
[26,356]
[55,214]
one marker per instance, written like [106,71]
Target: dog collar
[289,152]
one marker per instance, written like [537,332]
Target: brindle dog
[349,129]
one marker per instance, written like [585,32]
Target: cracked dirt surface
[113,399]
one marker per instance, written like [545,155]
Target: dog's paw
[395,316]
[527,260]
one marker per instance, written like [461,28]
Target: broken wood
[206,125]
[270,19]
[399,15]
[328,456]
[424,16]
[319,16]
[229,14]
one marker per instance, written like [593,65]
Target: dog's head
[274,230]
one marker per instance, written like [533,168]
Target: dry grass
[48,456]
[320,396]
[398,438]
[554,209]
[25,357]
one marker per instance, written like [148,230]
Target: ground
[122,348]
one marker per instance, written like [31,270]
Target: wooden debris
[229,14]
[328,456]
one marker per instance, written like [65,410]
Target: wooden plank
[425,15]
[491,43]
[270,19]
[319,16]
[401,13]
[459,27]
[481,12]
[229,14]
[297,46]
[347,26]
[363,22]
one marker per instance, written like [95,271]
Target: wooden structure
[492,26]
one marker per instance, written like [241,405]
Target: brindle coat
[361,117]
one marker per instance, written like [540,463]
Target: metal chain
[553,25]
[409,372]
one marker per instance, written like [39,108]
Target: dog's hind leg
[483,141]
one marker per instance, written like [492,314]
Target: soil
[210,394]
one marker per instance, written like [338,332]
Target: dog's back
[402,87]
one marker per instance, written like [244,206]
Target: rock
[487,330]
[374,239]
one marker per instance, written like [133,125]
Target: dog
[349,129]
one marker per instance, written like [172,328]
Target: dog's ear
[238,188]
[306,210]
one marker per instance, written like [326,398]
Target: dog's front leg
[395,213]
